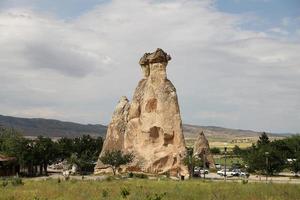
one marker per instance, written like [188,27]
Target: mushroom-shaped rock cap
[159,56]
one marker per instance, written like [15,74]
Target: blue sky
[262,14]
[272,13]
[235,62]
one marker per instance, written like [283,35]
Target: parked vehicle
[238,172]
[222,172]
[244,174]
[218,166]
[198,171]
[235,172]
[204,171]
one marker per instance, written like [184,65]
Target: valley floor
[144,189]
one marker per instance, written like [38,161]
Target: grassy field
[212,143]
[142,189]
[229,160]
[229,145]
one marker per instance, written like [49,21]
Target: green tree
[87,150]
[215,150]
[263,139]
[293,152]
[65,148]
[115,159]
[264,158]
[45,152]
[295,165]
[236,150]
[13,144]
[192,161]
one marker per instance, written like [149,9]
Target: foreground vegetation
[141,189]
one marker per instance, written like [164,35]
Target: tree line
[264,157]
[35,155]
[271,157]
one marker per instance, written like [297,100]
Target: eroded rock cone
[153,131]
[201,148]
[115,133]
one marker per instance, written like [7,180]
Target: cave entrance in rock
[154,132]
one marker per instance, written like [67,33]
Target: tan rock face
[201,148]
[115,132]
[153,132]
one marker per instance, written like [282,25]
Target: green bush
[215,150]
[104,193]
[124,192]
[4,183]
[130,175]
[17,181]
[156,196]
[142,176]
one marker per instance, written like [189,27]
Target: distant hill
[51,128]
[224,134]
[56,128]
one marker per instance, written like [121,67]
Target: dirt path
[210,176]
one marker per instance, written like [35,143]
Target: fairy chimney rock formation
[201,148]
[115,132]
[153,128]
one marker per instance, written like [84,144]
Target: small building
[8,166]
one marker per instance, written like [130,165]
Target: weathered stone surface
[201,148]
[153,131]
[115,132]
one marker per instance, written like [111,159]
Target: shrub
[130,175]
[124,193]
[115,159]
[142,176]
[104,193]
[4,183]
[215,150]
[17,181]
[156,196]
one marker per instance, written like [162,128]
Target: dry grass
[220,144]
[139,189]
[229,145]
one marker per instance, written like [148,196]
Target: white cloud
[76,70]
[279,31]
